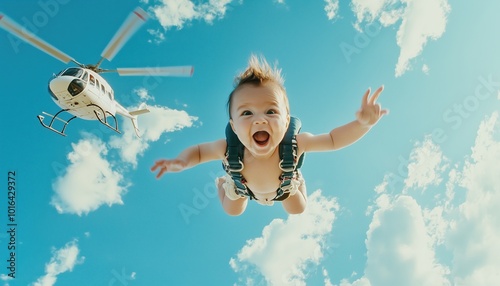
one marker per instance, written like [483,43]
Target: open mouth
[261,137]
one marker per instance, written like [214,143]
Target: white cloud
[425,69]
[173,13]
[399,249]
[4,277]
[158,36]
[437,225]
[360,282]
[143,94]
[176,13]
[62,260]
[152,125]
[404,239]
[327,278]
[475,233]
[421,20]
[89,181]
[331,8]
[275,254]
[426,165]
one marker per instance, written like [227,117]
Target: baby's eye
[246,113]
[271,111]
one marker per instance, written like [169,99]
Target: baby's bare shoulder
[302,141]
[213,150]
[308,142]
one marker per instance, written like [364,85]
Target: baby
[259,118]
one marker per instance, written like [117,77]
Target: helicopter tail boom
[132,115]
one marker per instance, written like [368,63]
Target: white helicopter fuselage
[83,92]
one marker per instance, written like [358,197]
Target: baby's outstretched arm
[367,116]
[191,157]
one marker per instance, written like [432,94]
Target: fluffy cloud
[426,165]
[89,181]
[152,126]
[175,13]
[62,260]
[421,20]
[143,94]
[400,251]
[5,278]
[404,239]
[331,8]
[475,233]
[290,244]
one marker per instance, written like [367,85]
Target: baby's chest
[262,177]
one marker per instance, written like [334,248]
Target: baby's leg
[230,206]
[296,204]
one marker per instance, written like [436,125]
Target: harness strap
[233,165]
[288,152]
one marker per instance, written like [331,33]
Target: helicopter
[80,90]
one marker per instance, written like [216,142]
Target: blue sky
[412,203]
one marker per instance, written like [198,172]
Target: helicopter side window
[92,80]
[98,85]
[103,89]
[109,95]
[85,76]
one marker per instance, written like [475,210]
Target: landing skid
[60,131]
[104,120]
[54,117]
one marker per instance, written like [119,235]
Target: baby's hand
[370,111]
[174,165]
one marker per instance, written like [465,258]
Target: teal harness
[289,163]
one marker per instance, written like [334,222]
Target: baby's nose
[260,120]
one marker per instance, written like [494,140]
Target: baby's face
[259,117]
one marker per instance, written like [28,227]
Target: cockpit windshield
[76,72]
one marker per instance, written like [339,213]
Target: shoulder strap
[289,163]
[288,146]
[233,164]
[234,150]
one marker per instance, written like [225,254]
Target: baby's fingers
[364,100]
[157,164]
[163,168]
[375,95]
[162,171]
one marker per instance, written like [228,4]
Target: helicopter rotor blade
[22,33]
[128,28]
[159,71]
